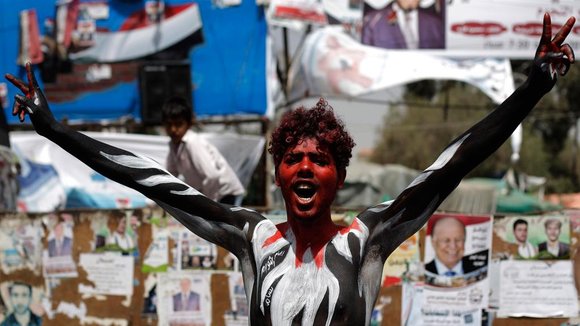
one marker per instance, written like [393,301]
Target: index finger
[17,82]
[564,31]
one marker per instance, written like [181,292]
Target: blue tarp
[228,68]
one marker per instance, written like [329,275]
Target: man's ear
[276,181]
[341,177]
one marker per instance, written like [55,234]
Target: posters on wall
[20,299]
[156,259]
[20,244]
[457,249]
[57,257]
[545,237]
[456,286]
[532,287]
[413,313]
[403,261]
[184,298]
[537,289]
[534,272]
[108,274]
[238,315]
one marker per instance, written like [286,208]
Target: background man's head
[448,240]
[408,4]
[318,123]
[122,226]
[552,228]
[177,117]
[521,230]
[185,285]
[58,230]
[20,297]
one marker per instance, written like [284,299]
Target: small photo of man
[526,250]
[543,237]
[20,299]
[186,299]
[60,240]
[553,247]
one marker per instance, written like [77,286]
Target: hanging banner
[465,28]
[52,178]
[332,62]
[136,39]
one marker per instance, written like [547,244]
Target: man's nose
[305,170]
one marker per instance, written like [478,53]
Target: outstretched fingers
[564,31]
[33,85]
[547,31]
[18,83]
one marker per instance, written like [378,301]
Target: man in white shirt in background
[193,159]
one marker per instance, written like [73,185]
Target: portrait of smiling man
[448,241]
[451,265]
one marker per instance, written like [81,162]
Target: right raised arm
[392,223]
[222,224]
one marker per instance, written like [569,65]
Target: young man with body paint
[308,270]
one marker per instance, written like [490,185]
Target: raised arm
[224,225]
[393,222]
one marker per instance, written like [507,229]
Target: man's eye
[291,159]
[320,161]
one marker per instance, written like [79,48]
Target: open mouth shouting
[305,191]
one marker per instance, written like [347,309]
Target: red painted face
[309,180]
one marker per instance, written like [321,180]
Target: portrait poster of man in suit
[457,249]
[60,241]
[186,299]
[58,254]
[405,24]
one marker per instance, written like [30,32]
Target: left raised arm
[392,223]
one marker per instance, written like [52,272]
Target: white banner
[490,27]
[472,28]
[89,188]
[332,62]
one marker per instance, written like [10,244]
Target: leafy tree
[415,133]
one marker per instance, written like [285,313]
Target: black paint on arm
[391,224]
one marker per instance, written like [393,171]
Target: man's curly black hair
[319,123]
